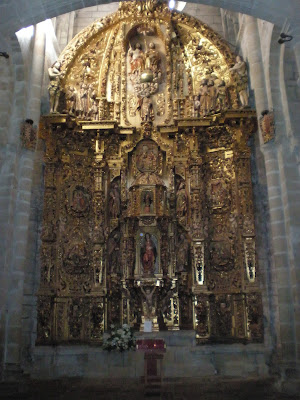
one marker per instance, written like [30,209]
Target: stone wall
[207,14]
[68,25]
[183,359]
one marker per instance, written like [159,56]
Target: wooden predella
[148,209]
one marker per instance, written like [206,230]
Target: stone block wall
[88,15]
[207,14]
[183,359]
[68,25]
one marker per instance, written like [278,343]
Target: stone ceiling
[16,14]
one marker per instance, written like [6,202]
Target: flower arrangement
[120,339]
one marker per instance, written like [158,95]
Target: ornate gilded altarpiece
[148,210]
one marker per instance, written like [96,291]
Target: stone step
[78,389]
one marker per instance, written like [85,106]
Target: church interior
[150,197]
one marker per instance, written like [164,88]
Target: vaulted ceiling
[16,14]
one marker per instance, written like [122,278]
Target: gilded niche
[148,209]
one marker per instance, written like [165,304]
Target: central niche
[148,255]
[147,202]
[146,73]
[148,212]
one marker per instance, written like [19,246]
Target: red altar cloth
[151,345]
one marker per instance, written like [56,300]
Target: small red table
[154,351]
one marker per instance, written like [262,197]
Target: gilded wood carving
[148,210]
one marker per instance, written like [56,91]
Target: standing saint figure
[146,109]
[148,255]
[182,252]
[114,201]
[136,59]
[221,94]
[152,58]
[113,253]
[212,95]
[71,96]
[84,99]
[240,68]
[181,200]
[54,90]
[147,202]
[204,97]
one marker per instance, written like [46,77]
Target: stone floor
[78,389]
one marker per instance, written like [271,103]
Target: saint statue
[71,96]
[204,97]
[147,202]
[136,59]
[113,248]
[182,253]
[240,68]
[181,201]
[221,94]
[92,103]
[54,89]
[152,61]
[114,201]
[146,109]
[148,255]
[212,95]
[84,98]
